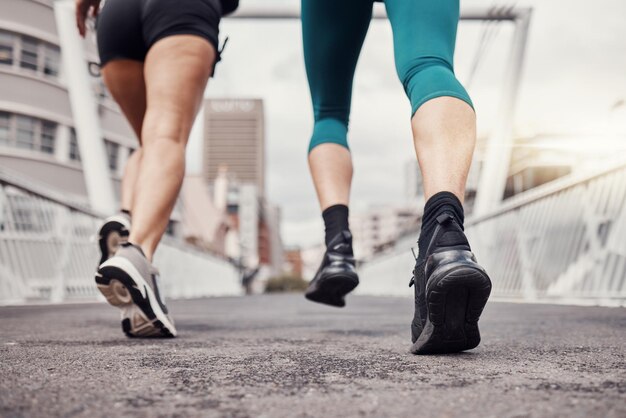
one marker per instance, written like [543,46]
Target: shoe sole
[332,290]
[113,233]
[455,300]
[124,288]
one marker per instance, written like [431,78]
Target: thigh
[423,28]
[333,32]
[176,72]
[124,80]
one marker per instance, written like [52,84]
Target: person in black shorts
[156,58]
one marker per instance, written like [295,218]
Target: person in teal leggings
[451,288]
[424,33]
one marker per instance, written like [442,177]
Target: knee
[410,70]
[166,146]
[428,77]
[164,128]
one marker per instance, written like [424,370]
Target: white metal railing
[562,242]
[292,11]
[48,252]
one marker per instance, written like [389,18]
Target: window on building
[35,55]
[48,133]
[52,59]
[30,53]
[5,128]
[112,153]
[7,42]
[74,151]
[25,134]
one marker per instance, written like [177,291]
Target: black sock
[440,203]
[335,221]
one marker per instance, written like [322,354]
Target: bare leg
[124,79]
[129,180]
[177,69]
[331,169]
[444,132]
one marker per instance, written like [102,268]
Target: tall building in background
[233,169]
[234,136]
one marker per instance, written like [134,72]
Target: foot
[128,281]
[113,233]
[336,276]
[451,290]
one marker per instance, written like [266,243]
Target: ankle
[439,204]
[144,247]
[341,244]
[335,222]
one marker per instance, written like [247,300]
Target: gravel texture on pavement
[282,356]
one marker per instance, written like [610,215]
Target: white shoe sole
[124,287]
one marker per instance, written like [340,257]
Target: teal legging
[424,36]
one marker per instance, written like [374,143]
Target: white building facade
[38,139]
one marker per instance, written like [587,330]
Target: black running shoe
[451,290]
[112,234]
[336,276]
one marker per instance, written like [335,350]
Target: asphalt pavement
[282,356]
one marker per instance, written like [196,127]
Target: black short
[127,29]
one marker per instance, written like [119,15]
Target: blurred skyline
[575,72]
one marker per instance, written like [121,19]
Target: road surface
[281,356]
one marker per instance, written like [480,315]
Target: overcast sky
[575,71]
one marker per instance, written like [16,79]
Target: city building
[38,139]
[233,169]
[234,136]
[294,265]
[204,224]
[378,228]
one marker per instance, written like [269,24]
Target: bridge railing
[561,242]
[48,252]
